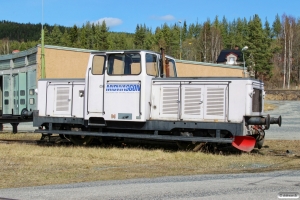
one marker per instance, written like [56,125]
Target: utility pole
[180,39]
[43,74]
[245,48]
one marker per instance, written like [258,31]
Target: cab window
[98,65]
[172,68]
[124,64]
[151,65]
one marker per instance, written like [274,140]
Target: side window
[98,65]
[124,64]
[172,67]
[151,65]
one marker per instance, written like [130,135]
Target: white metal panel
[192,102]
[42,97]
[170,101]
[50,96]
[78,100]
[122,101]
[215,102]
[62,100]
[95,93]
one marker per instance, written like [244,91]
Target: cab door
[123,83]
[95,86]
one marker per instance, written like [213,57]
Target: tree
[55,36]
[65,39]
[205,38]
[74,35]
[83,37]
[5,47]
[288,33]
[216,40]
[225,33]
[139,36]
[259,50]
[101,36]
[159,40]
[276,27]
[47,36]
[184,32]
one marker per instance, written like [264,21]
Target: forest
[272,55]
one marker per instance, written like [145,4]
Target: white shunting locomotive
[137,94]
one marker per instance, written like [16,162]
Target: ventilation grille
[192,101]
[62,99]
[170,100]
[215,101]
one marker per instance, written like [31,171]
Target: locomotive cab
[119,84]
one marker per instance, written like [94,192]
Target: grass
[24,165]
[33,165]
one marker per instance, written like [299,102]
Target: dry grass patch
[19,136]
[268,106]
[33,165]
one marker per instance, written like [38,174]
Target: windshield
[124,64]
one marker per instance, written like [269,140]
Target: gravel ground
[290,113]
[223,186]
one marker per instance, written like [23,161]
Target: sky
[125,15]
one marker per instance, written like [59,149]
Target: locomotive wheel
[81,140]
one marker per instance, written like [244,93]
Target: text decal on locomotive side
[123,87]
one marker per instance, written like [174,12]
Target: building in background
[230,57]
[20,71]
[187,68]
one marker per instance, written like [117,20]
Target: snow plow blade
[244,143]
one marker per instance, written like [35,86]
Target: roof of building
[5,59]
[226,52]
[208,64]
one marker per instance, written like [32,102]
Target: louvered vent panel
[215,101]
[62,99]
[170,100]
[192,99]
[4,64]
[19,62]
[32,59]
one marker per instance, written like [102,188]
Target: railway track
[53,140]
[128,143]
[9,141]
[44,141]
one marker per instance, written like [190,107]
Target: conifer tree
[276,27]
[139,36]
[101,36]
[55,36]
[74,35]
[65,39]
[258,53]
